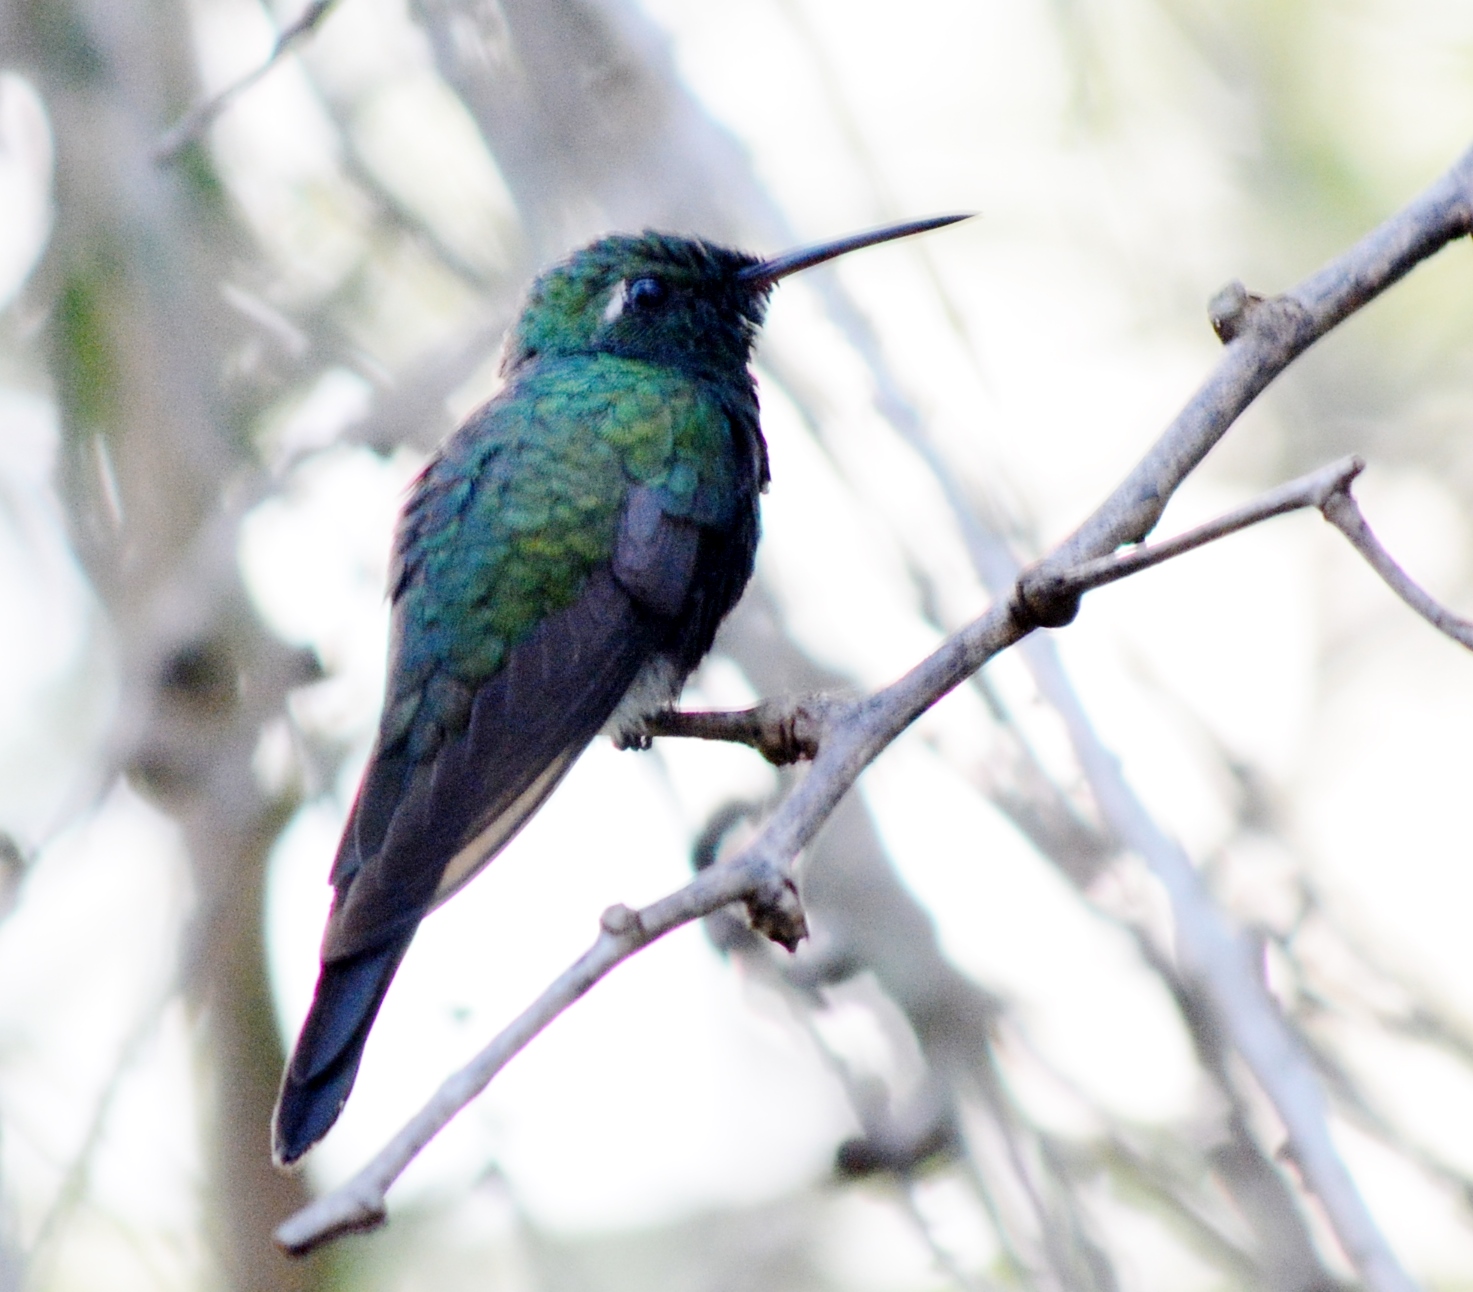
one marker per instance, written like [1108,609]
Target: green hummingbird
[560,566]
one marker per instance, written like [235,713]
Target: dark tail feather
[320,1073]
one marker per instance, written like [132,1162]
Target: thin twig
[1213,953]
[782,731]
[1265,337]
[1342,511]
[359,1204]
[1316,489]
[789,730]
[193,123]
[946,1262]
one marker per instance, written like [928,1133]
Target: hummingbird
[560,567]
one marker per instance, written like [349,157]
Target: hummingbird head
[665,299]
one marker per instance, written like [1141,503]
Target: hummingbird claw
[636,738]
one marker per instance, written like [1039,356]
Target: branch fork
[803,728]
[842,737]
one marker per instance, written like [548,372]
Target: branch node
[794,731]
[1339,507]
[1281,321]
[620,921]
[1043,598]
[775,910]
[1230,309]
[1338,486]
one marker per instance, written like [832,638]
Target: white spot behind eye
[615,307]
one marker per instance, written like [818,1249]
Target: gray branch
[359,1204]
[782,731]
[1313,490]
[1263,337]
[1343,512]
[199,118]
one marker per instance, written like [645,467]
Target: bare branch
[1265,336]
[758,876]
[782,731]
[789,730]
[945,1261]
[1317,489]
[198,119]
[1342,511]
[844,737]
[1213,953]
[359,1204]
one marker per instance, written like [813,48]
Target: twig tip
[326,1219]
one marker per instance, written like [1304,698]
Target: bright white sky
[1081,292]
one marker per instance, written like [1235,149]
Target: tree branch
[198,119]
[1263,338]
[854,734]
[782,731]
[1342,511]
[790,730]
[1313,490]
[751,878]
[845,736]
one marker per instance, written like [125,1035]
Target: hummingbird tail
[322,1068]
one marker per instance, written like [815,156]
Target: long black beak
[769,271]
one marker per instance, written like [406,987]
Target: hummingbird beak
[767,272]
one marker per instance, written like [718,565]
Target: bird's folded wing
[655,553]
[527,724]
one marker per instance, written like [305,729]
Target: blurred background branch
[188,129]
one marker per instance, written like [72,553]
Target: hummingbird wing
[447,817]
[461,763]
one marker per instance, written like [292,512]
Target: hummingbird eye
[647,293]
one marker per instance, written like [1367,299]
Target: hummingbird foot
[633,738]
[653,691]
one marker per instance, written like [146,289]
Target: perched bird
[560,567]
